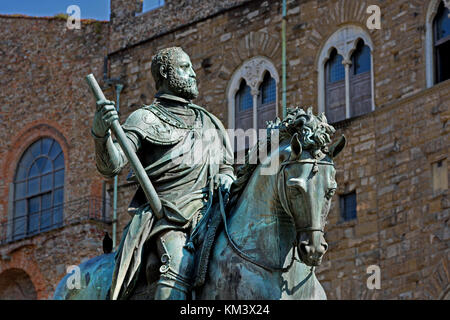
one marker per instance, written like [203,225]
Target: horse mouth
[311,261]
[310,255]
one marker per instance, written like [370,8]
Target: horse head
[306,181]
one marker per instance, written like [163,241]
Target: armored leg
[177,267]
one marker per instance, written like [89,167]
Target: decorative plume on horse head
[313,133]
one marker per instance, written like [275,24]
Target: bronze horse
[272,234]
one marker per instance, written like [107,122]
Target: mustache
[192,81]
[189,81]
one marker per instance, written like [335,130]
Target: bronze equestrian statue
[262,243]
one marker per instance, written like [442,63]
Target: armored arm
[109,156]
[226,167]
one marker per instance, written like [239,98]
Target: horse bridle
[244,255]
[287,207]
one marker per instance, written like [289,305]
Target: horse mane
[314,134]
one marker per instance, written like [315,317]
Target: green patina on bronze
[263,244]
[171,127]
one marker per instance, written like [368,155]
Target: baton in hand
[141,175]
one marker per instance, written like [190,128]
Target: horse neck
[258,222]
[260,193]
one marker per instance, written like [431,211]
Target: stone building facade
[43,96]
[395,163]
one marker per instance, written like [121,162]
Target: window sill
[441,193]
[139,14]
[29,236]
[344,124]
[441,82]
[347,223]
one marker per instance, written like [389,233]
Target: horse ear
[323,118]
[296,147]
[337,147]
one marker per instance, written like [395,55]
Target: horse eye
[330,193]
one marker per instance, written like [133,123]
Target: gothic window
[38,189]
[335,88]
[360,84]
[346,75]
[442,43]
[244,107]
[267,96]
[152,4]
[252,100]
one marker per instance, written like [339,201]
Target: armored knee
[177,266]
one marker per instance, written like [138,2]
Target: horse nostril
[323,247]
[304,248]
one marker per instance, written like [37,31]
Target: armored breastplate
[157,125]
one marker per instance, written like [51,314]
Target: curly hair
[164,57]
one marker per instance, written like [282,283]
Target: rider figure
[178,144]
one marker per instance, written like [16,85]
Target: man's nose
[192,73]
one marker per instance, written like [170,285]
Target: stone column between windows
[255,93]
[347,64]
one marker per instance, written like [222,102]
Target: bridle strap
[286,207]
[308,230]
[282,189]
[311,161]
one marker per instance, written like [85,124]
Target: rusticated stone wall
[43,94]
[401,225]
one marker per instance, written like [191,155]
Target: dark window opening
[243,113]
[361,58]
[335,88]
[266,109]
[38,189]
[361,81]
[336,68]
[442,43]
[244,99]
[267,90]
[348,206]
[442,22]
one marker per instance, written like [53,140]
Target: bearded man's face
[181,77]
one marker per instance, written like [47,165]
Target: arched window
[336,70]
[38,189]
[252,100]
[345,70]
[244,107]
[437,42]
[335,88]
[360,84]
[442,43]
[267,97]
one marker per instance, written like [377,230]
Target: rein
[246,257]
[286,207]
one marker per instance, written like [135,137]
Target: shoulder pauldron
[149,126]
